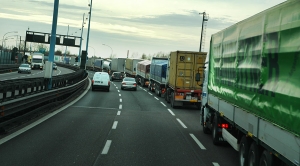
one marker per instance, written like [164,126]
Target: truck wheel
[243,151]
[167,97]
[172,100]
[215,133]
[266,159]
[253,156]
[205,129]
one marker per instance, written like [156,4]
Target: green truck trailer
[251,93]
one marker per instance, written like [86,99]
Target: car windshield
[129,79]
[24,65]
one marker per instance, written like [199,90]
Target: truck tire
[205,129]
[172,100]
[215,134]
[266,159]
[243,151]
[167,96]
[253,157]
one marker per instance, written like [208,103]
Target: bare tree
[134,55]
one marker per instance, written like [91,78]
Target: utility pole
[205,18]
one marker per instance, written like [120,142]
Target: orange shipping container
[183,68]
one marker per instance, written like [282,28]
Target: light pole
[204,19]
[66,46]
[89,26]
[82,25]
[5,34]
[110,48]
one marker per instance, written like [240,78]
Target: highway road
[120,127]
[34,73]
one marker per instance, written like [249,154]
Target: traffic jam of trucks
[246,88]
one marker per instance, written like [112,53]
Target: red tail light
[92,81]
[123,83]
[134,84]
[108,82]
[224,125]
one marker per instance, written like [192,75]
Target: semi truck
[118,65]
[37,61]
[185,78]
[106,65]
[130,67]
[251,92]
[143,72]
[158,70]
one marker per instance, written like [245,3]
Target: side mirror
[197,77]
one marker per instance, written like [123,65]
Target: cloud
[191,19]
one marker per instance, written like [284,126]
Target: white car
[24,68]
[101,81]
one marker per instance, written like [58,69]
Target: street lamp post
[4,36]
[82,25]
[204,19]
[89,26]
[110,48]
[66,46]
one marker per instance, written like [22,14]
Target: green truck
[251,93]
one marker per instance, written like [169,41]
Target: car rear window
[129,79]
[101,76]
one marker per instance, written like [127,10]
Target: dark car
[116,76]
[54,66]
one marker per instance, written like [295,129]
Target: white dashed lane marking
[115,125]
[182,124]
[171,112]
[198,142]
[106,147]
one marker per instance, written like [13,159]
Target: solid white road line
[106,147]
[156,98]
[171,112]
[163,103]
[119,94]
[198,142]
[182,124]
[119,113]
[115,125]
[120,100]
[11,136]
[215,164]
[120,106]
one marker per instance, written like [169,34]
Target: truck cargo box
[143,68]
[152,66]
[118,64]
[183,67]
[160,72]
[130,66]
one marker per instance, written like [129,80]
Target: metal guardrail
[6,68]
[28,96]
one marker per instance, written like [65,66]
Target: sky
[133,27]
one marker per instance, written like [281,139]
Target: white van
[101,81]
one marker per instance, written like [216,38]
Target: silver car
[129,83]
[24,68]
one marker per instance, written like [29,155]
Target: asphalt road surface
[120,127]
